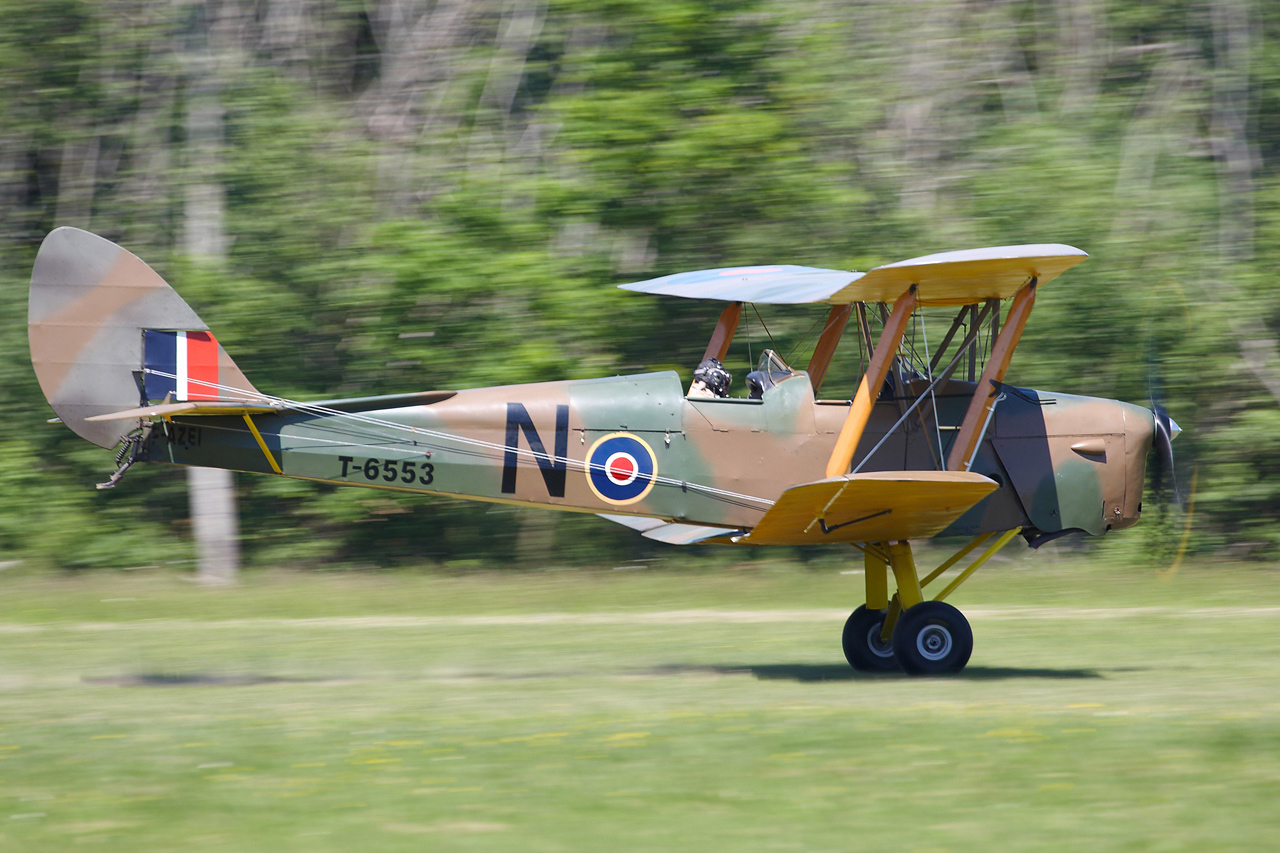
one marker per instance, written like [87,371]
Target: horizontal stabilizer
[234,407]
[166,410]
[879,506]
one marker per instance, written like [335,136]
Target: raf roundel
[621,468]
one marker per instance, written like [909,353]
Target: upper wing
[950,278]
[874,507]
[960,278]
[778,284]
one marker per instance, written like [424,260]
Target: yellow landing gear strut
[908,632]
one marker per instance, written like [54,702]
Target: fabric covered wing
[873,507]
[949,278]
[781,284]
[965,277]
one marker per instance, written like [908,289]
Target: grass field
[1104,709]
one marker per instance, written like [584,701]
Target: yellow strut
[253,428]
[904,572]
[955,558]
[910,585]
[891,619]
[984,395]
[877,369]
[986,555]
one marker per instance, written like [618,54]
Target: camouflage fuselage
[637,445]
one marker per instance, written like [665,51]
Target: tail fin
[108,333]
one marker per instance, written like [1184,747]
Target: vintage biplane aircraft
[915,452]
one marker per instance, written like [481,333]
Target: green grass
[1105,708]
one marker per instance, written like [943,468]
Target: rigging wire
[767,333]
[804,339]
[933,400]
[946,373]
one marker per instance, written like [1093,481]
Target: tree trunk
[1233,48]
[211,491]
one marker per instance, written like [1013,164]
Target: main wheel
[863,647]
[932,638]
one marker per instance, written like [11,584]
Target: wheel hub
[934,642]
[877,646]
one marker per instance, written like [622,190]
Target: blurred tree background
[415,194]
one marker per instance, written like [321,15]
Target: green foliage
[427,197]
[710,170]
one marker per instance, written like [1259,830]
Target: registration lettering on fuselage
[552,467]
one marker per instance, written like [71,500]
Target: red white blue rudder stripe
[621,468]
[180,365]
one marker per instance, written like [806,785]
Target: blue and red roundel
[621,468]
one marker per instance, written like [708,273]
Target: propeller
[1166,429]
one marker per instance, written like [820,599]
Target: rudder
[107,333]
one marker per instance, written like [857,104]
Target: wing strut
[877,369]
[837,317]
[718,346]
[984,396]
[262,445]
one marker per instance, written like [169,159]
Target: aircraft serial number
[183,435]
[405,471]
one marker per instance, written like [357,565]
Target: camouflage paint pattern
[626,446]
[1062,462]
[89,301]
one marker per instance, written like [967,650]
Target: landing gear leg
[930,637]
[866,642]
[907,632]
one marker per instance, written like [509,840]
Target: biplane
[928,443]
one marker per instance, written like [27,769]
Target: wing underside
[950,278]
[671,532]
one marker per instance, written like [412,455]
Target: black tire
[932,638]
[861,640]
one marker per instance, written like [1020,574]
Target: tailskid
[134,447]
